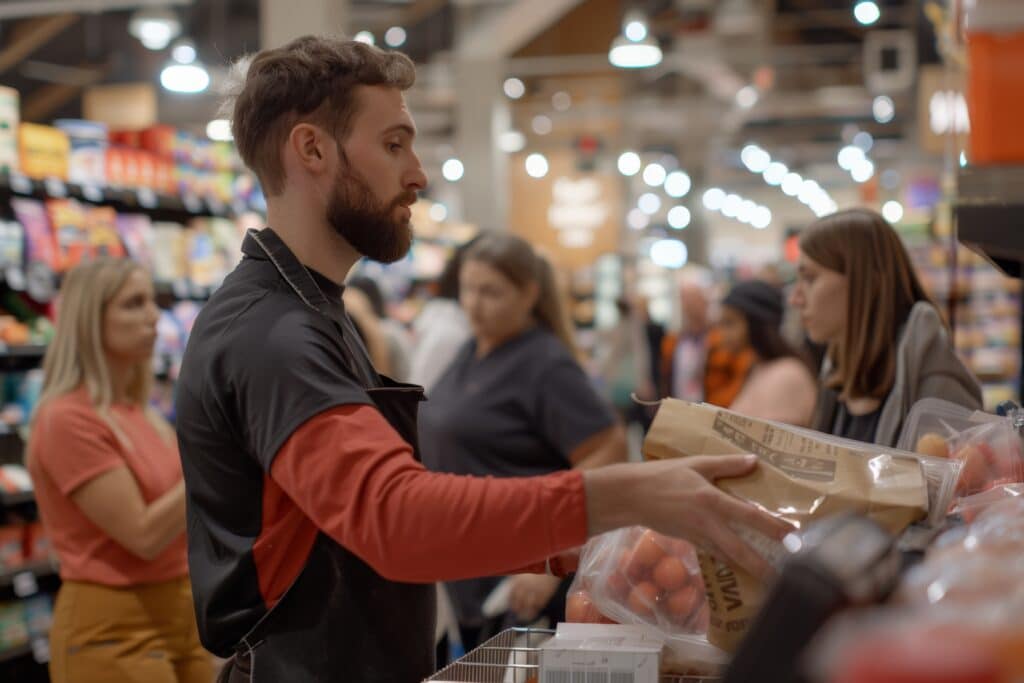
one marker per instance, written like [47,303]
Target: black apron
[340,621]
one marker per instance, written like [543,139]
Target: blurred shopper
[440,329]
[622,363]
[397,345]
[696,365]
[780,385]
[109,487]
[514,403]
[888,347]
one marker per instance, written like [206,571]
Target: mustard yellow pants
[141,634]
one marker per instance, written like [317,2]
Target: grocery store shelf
[20,498]
[16,653]
[159,206]
[15,358]
[40,570]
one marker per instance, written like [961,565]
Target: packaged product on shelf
[12,244]
[43,151]
[115,166]
[37,544]
[169,252]
[147,169]
[802,477]
[68,218]
[205,265]
[38,615]
[9,118]
[11,546]
[101,226]
[88,140]
[136,231]
[13,627]
[39,236]
[159,140]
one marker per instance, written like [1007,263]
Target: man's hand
[530,594]
[678,498]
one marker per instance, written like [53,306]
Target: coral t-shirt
[72,444]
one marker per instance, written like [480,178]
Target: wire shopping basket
[513,656]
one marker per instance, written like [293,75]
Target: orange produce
[579,609]
[618,585]
[682,603]
[932,444]
[647,552]
[643,598]
[975,475]
[670,573]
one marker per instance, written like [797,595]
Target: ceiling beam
[503,31]
[36,8]
[42,102]
[32,35]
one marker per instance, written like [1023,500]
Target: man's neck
[311,239]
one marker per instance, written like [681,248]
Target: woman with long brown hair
[514,402]
[109,487]
[888,346]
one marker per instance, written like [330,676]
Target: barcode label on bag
[565,676]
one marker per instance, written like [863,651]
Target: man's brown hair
[311,79]
[883,287]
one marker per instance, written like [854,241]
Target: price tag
[55,187]
[25,584]
[20,184]
[92,193]
[192,203]
[147,198]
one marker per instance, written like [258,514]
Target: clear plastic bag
[991,455]
[637,576]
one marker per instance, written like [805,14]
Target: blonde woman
[109,488]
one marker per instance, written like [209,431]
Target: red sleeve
[351,473]
[73,444]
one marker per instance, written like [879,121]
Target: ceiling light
[746,212]
[654,175]
[867,12]
[536,165]
[561,101]
[849,157]
[669,254]
[893,211]
[732,205]
[762,218]
[637,219]
[365,37]
[864,141]
[714,199]
[185,78]
[542,125]
[395,37]
[439,212]
[863,171]
[629,163]
[775,173]
[453,170]
[155,28]
[963,159]
[184,52]
[649,203]
[514,88]
[747,97]
[755,159]
[678,184]
[219,130]
[809,191]
[884,109]
[792,183]
[635,30]
[679,217]
[511,141]
[627,54]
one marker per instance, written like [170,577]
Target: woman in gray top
[888,346]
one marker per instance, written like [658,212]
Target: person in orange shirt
[109,488]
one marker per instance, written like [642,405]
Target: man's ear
[307,143]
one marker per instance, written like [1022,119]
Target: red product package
[115,166]
[991,454]
[39,234]
[159,140]
[70,225]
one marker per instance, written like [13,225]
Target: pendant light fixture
[634,48]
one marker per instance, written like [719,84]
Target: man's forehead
[383,108]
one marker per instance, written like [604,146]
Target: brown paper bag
[800,479]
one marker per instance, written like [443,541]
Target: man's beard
[367,225]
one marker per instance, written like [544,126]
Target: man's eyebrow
[401,128]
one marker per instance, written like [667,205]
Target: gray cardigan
[926,366]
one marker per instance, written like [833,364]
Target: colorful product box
[87,160]
[9,107]
[44,151]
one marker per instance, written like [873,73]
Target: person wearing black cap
[780,385]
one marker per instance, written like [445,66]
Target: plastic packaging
[945,419]
[991,454]
[637,576]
